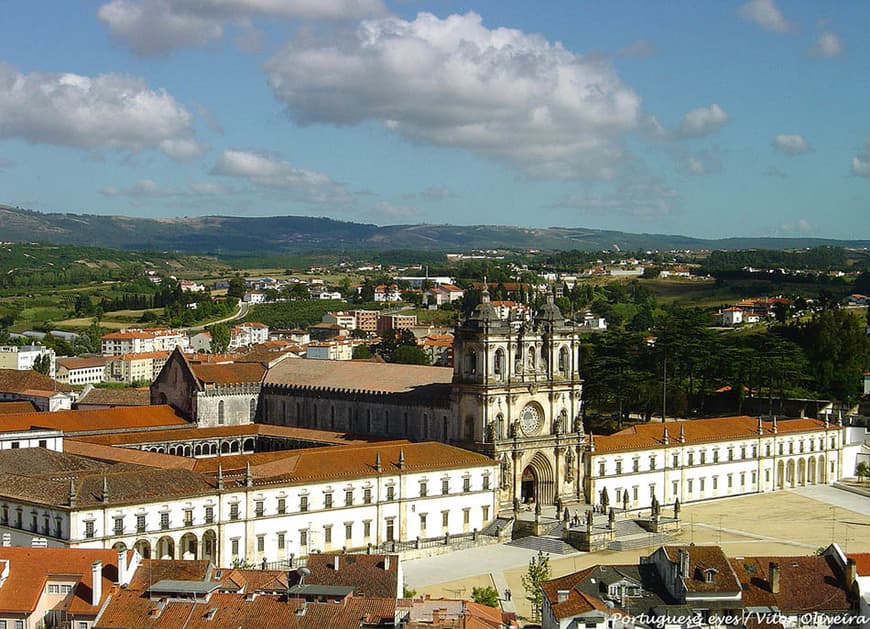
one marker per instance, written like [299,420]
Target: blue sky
[709,119]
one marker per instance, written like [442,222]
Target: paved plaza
[793,522]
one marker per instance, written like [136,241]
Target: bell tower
[517,397]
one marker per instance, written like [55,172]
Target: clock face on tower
[530,420]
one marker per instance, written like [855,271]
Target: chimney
[774,425]
[851,573]
[684,562]
[562,596]
[97,580]
[682,433]
[104,496]
[72,493]
[665,439]
[249,478]
[122,567]
[773,577]
[386,563]
[336,562]
[760,427]
[220,477]
[401,458]
[378,467]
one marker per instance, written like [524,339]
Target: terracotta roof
[357,376]
[578,602]
[229,373]
[862,563]
[154,570]
[253,580]
[130,610]
[14,381]
[807,584]
[696,431]
[338,462]
[87,362]
[112,454]
[104,419]
[368,575]
[30,570]
[147,333]
[705,560]
[99,396]
[8,408]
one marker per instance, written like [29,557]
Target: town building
[80,371]
[45,393]
[345,319]
[367,320]
[396,322]
[142,340]
[442,294]
[141,367]
[92,398]
[23,358]
[246,334]
[387,293]
[59,587]
[337,349]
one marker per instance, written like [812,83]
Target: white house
[729,317]
[81,370]
[387,293]
[22,358]
[337,349]
[251,333]
[254,297]
[141,340]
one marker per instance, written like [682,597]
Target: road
[242,312]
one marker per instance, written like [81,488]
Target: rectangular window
[466,515]
[424,490]
[303,537]
[743,479]
[261,543]
[282,506]
[367,496]
[188,517]
[348,498]
[766,476]
[675,487]
[445,487]
[689,485]
[703,457]
[327,502]
[781,449]
[767,450]
[281,541]
[486,482]
[742,452]
[754,452]
[466,485]
[754,477]
[391,529]
[66,588]
[701,483]
[619,467]
[485,509]
[391,492]
[327,534]
[423,524]
[234,511]
[140,523]
[164,520]
[209,515]
[19,624]
[715,456]
[652,463]
[676,460]
[730,481]
[445,519]
[43,443]
[601,468]
[715,483]
[119,526]
[235,547]
[303,503]
[634,493]
[348,531]
[367,528]
[259,510]
[691,458]
[53,588]
[89,529]
[635,465]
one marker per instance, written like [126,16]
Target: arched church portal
[537,483]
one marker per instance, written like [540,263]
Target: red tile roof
[106,419]
[14,381]
[807,584]
[357,376]
[369,575]
[862,563]
[8,408]
[31,568]
[229,373]
[702,559]
[696,431]
[108,397]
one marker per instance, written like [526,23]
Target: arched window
[221,412]
[471,362]
[499,422]
[498,367]
[563,360]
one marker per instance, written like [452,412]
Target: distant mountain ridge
[287,234]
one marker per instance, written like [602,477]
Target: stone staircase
[631,536]
[551,545]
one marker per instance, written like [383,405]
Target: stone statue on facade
[490,431]
[505,471]
[569,466]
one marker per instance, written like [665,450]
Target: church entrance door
[529,486]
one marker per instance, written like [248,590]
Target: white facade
[36,438]
[254,297]
[692,471]
[731,317]
[275,521]
[347,320]
[22,358]
[140,341]
[248,334]
[77,371]
[330,350]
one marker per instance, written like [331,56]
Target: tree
[361,352]
[220,338]
[862,471]
[537,573]
[410,355]
[485,596]
[42,364]
[236,287]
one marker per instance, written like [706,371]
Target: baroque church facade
[513,394]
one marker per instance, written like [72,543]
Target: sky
[709,119]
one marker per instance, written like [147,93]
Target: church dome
[549,312]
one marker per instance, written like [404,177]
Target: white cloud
[182,150]
[150,27]
[828,44]
[644,198]
[766,14]
[790,143]
[861,162]
[702,121]
[106,111]
[265,170]
[501,93]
